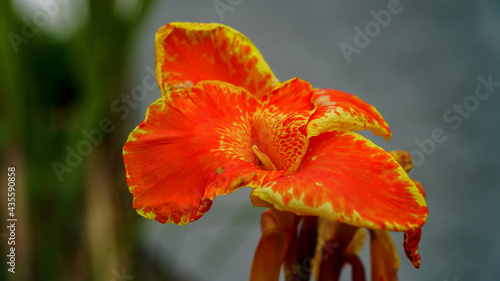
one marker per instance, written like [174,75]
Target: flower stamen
[267,164]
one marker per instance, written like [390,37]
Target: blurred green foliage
[79,225]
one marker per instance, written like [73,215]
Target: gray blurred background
[420,69]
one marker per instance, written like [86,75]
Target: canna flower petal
[187,53]
[193,145]
[384,258]
[420,187]
[412,236]
[339,111]
[404,159]
[346,178]
[280,123]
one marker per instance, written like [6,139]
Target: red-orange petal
[411,237]
[383,256]
[193,145]
[187,53]
[346,178]
[411,240]
[280,123]
[420,187]
[339,111]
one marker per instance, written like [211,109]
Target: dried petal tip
[403,158]
[411,240]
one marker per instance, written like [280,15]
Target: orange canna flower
[224,122]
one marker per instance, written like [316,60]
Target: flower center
[264,160]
